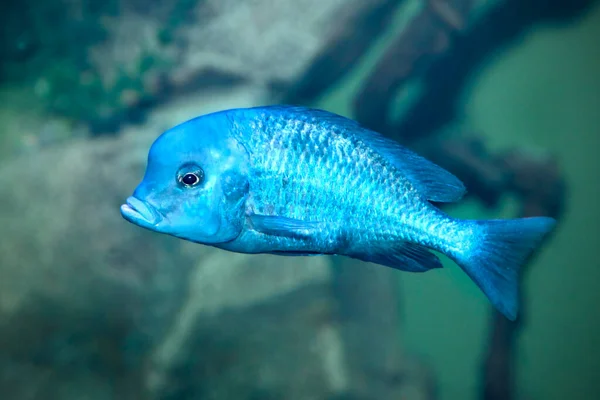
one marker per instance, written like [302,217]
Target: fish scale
[348,185]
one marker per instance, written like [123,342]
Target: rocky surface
[179,47]
[92,307]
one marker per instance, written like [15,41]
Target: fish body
[296,181]
[318,187]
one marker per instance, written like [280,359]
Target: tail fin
[499,249]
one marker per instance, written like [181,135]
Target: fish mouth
[139,212]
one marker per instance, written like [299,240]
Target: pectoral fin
[283,226]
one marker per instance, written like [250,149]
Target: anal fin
[406,257]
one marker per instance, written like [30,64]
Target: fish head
[195,183]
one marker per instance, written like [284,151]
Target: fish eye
[190,175]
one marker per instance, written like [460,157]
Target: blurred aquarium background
[504,93]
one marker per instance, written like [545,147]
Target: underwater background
[504,93]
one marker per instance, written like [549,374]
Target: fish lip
[139,212]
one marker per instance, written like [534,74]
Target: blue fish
[291,180]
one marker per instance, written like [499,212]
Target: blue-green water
[542,93]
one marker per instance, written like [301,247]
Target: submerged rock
[90,304]
[93,307]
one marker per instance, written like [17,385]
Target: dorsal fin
[432,181]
